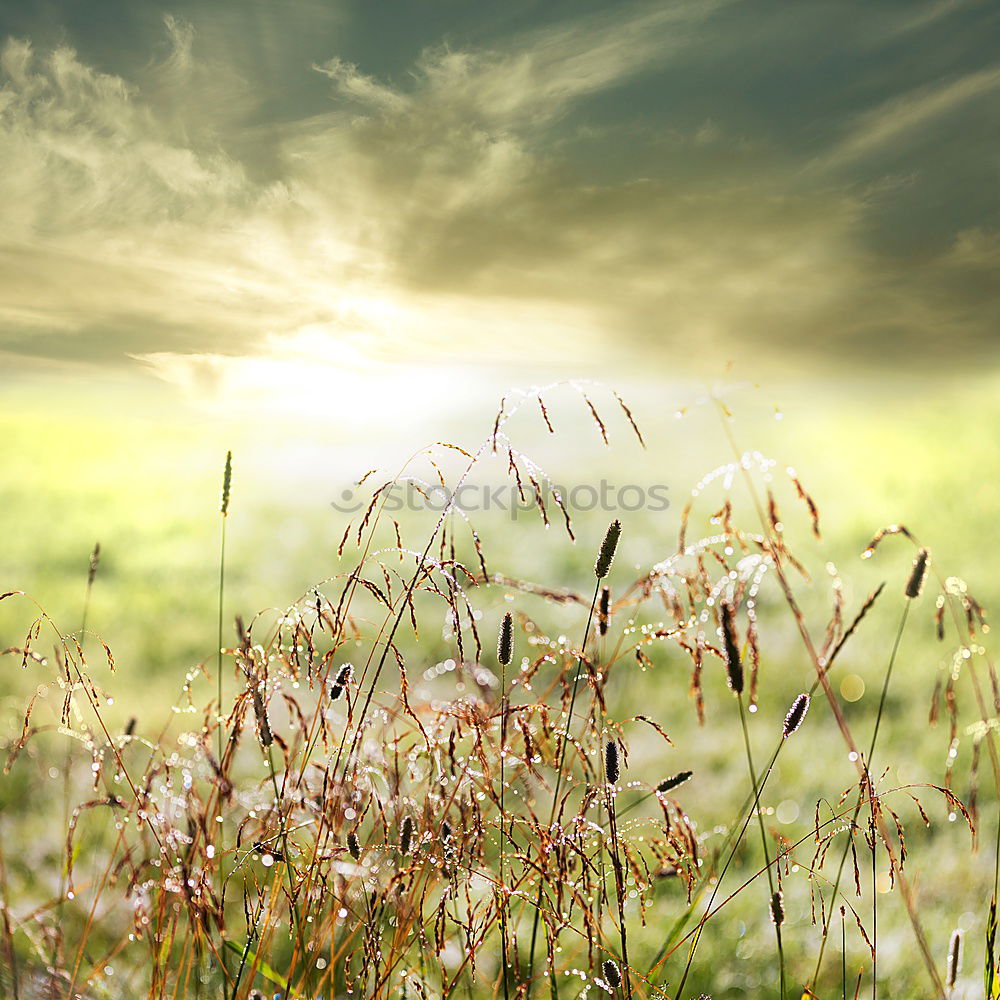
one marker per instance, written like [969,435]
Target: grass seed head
[227,481]
[954,959]
[916,582]
[343,676]
[263,727]
[608,546]
[405,835]
[612,764]
[611,974]
[777,909]
[734,666]
[795,715]
[669,784]
[603,611]
[353,846]
[505,643]
[95,559]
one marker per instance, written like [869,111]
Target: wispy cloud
[473,206]
[904,117]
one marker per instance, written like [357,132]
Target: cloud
[897,120]
[475,206]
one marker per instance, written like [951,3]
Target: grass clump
[400,822]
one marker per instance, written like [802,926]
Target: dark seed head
[130,726]
[603,611]
[445,832]
[405,835]
[608,546]
[734,666]
[343,676]
[954,959]
[611,974]
[795,715]
[669,784]
[263,727]
[916,581]
[505,644]
[777,909]
[353,846]
[227,481]
[612,766]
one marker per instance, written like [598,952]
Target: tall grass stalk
[620,890]
[95,557]
[860,802]
[763,839]
[227,479]
[505,653]
[601,569]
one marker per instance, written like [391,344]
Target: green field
[918,453]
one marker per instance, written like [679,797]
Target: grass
[516,842]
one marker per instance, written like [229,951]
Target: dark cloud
[679,182]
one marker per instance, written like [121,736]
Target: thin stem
[861,795]
[753,805]
[843,952]
[744,813]
[559,768]
[763,836]
[503,830]
[221,875]
[67,768]
[619,891]
[874,903]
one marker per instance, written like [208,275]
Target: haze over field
[280,202]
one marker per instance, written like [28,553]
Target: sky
[292,198]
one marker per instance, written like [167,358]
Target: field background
[921,452]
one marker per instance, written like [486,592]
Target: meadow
[408,793]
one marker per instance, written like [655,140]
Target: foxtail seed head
[343,676]
[263,727]
[608,546]
[734,666]
[604,611]
[777,909]
[227,481]
[505,643]
[669,784]
[795,715]
[916,581]
[405,835]
[611,974]
[954,959]
[612,765]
